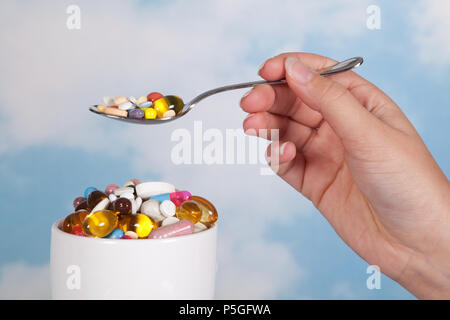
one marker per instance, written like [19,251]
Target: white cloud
[431,27]
[23,281]
[50,75]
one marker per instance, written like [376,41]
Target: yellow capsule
[101,108]
[189,210]
[100,223]
[209,213]
[175,103]
[149,113]
[139,223]
[161,106]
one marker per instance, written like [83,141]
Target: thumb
[344,113]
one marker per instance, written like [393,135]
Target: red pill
[154,96]
[110,188]
[115,107]
[77,201]
[78,231]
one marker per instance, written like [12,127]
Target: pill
[78,231]
[77,201]
[151,208]
[82,205]
[116,112]
[127,195]
[167,208]
[139,223]
[116,234]
[160,106]
[108,101]
[154,96]
[102,205]
[147,189]
[129,183]
[180,228]
[120,191]
[122,206]
[101,108]
[199,227]
[141,100]
[175,103]
[189,210]
[136,114]
[169,114]
[146,104]
[130,235]
[94,198]
[100,223]
[132,100]
[138,202]
[209,213]
[177,197]
[127,105]
[120,99]
[110,188]
[114,107]
[150,113]
[135,181]
[112,197]
[74,219]
[88,191]
[169,220]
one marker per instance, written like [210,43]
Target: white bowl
[94,268]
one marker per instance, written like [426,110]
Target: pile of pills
[139,210]
[152,106]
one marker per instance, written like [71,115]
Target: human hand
[347,147]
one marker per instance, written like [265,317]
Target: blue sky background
[272,242]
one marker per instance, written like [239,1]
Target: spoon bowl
[336,68]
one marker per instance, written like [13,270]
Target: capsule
[180,228]
[139,223]
[177,197]
[209,213]
[100,224]
[189,210]
[74,219]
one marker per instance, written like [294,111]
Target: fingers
[372,98]
[280,100]
[345,114]
[289,130]
[286,162]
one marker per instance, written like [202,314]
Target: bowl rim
[57,231]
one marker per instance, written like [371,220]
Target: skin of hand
[346,146]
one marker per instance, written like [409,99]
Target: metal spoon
[337,68]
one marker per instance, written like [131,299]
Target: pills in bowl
[139,210]
[153,106]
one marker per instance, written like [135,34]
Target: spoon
[337,68]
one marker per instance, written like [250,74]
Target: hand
[347,147]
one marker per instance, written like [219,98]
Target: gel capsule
[177,197]
[94,198]
[139,223]
[160,106]
[175,103]
[154,96]
[189,210]
[100,223]
[81,206]
[110,188]
[209,213]
[74,219]
[122,206]
[176,229]
[77,201]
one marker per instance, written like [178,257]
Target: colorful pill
[176,229]
[127,105]
[100,224]
[189,210]
[110,188]
[169,114]
[116,112]
[101,108]
[175,103]
[82,205]
[94,198]
[116,234]
[74,219]
[161,106]
[141,100]
[136,114]
[209,213]
[119,100]
[145,104]
[150,113]
[88,191]
[154,96]
[122,206]
[139,223]
[77,201]
[177,197]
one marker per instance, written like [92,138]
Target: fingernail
[283,146]
[247,93]
[297,70]
[260,67]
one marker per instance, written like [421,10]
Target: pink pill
[110,188]
[136,181]
[77,201]
[180,228]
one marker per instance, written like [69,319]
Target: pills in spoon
[153,106]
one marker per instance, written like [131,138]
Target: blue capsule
[145,104]
[161,197]
[88,191]
[116,234]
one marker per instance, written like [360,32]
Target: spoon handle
[337,68]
